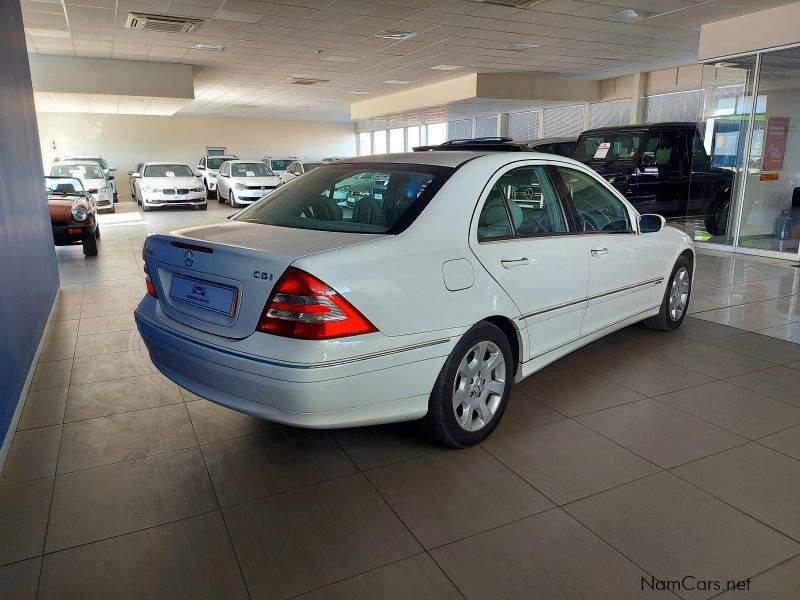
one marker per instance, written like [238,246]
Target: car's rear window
[357,198]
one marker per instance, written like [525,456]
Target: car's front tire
[471,392]
[676,298]
[210,194]
[90,245]
[203,207]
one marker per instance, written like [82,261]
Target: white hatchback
[242,182]
[465,272]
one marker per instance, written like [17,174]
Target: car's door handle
[599,251]
[513,262]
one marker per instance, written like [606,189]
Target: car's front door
[522,238]
[223,184]
[663,174]
[622,263]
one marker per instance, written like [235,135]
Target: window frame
[569,220]
[566,200]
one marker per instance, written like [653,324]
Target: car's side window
[224,170]
[522,203]
[597,208]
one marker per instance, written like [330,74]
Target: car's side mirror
[651,223]
[112,168]
[92,190]
[136,175]
[200,168]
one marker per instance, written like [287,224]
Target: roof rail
[494,144]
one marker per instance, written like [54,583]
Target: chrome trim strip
[655,281]
[344,361]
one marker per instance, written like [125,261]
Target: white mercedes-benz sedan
[466,272]
[242,182]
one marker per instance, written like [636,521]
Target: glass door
[770,213]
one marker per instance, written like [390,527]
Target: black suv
[661,168]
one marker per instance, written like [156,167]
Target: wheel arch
[512,334]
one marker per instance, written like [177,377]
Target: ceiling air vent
[514,3]
[306,81]
[162,23]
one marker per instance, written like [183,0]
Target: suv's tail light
[301,306]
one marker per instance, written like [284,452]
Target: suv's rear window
[357,198]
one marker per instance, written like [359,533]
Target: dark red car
[72,214]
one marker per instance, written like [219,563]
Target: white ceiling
[107,104]
[270,42]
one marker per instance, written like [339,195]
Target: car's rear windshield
[279,164]
[334,198]
[167,171]
[257,169]
[607,147]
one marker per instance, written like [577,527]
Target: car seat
[493,221]
[368,211]
[325,209]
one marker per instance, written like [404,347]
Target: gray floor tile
[23,519]
[128,496]
[106,309]
[58,349]
[105,398]
[780,382]
[787,441]
[659,433]
[67,312]
[775,308]
[95,325]
[760,346]
[779,583]
[62,329]
[741,411]
[794,365]
[108,440]
[275,461]
[426,493]
[573,392]
[133,285]
[33,454]
[524,412]
[758,481]
[92,369]
[192,558]
[737,317]
[43,409]
[215,423]
[20,580]
[417,577]
[379,445]
[107,343]
[50,375]
[567,461]
[789,332]
[548,555]
[701,331]
[712,361]
[672,529]
[321,534]
[70,295]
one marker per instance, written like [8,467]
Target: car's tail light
[151,289]
[301,306]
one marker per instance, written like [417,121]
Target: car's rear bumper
[301,395]
[72,234]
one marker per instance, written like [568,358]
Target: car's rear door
[522,237]
[622,264]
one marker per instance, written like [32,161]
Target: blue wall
[28,270]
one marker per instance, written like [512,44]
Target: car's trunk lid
[217,278]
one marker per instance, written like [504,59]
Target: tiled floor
[643,455]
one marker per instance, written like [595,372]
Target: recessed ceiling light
[215,47]
[390,34]
[447,67]
[629,15]
[341,59]
[521,46]
[396,81]
[359,93]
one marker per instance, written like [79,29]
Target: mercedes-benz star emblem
[188,258]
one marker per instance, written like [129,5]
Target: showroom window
[437,133]
[379,142]
[412,137]
[680,106]
[397,140]
[609,114]
[566,121]
[524,125]
[365,143]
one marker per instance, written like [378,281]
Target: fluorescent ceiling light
[238,16]
[216,47]
[629,15]
[521,46]
[359,93]
[447,67]
[396,81]
[390,34]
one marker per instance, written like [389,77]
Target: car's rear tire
[90,245]
[676,298]
[717,222]
[471,392]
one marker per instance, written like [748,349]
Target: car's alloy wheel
[679,294]
[676,297]
[471,392]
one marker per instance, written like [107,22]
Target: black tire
[220,199]
[97,232]
[90,245]
[234,203]
[665,320]
[442,417]
[210,194]
[717,222]
[146,208]
[116,198]
[112,210]
[203,207]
